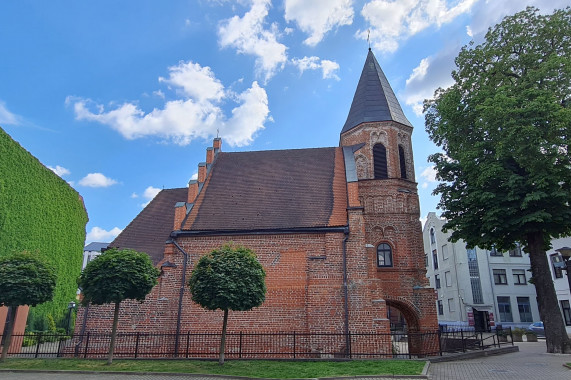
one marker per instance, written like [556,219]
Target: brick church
[337,230]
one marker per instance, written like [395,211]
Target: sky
[122,98]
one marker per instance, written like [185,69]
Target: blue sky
[121,98]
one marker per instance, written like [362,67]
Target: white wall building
[475,287]
[91,251]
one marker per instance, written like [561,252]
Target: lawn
[249,368]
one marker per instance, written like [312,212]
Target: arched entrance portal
[405,327]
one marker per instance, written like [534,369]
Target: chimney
[209,155]
[217,144]
[202,172]
[192,191]
[179,214]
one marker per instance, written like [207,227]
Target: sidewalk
[530,363]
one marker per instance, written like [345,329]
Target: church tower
[383,212]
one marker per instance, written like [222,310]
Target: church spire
[374,98]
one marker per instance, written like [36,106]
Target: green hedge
[41,213]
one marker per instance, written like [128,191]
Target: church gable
[281,189]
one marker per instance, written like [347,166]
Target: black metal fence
[291,345]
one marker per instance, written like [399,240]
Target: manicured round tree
[25,279]
[228,278]
[114,276]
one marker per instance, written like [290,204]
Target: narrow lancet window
[380,159]
[402,162]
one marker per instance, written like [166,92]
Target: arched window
[384,255]
[402,162]
[380,159]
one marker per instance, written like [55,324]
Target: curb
[475,354]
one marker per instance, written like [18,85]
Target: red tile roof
[279,189]
[149,231]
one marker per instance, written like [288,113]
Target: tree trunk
[8,338]
[223,339]
[549,312]
[113,333]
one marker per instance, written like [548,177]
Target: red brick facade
[320,280]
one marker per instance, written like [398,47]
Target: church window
[380,159]
[402,162]
[384,255]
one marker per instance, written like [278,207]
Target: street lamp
[70,307]
[566,254]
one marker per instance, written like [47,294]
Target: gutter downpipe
[346,293]
[181,293]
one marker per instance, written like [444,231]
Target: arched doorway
[405,329]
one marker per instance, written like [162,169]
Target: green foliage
[117,275]
[504,127]
[228,278]
[25,279]
[42,214]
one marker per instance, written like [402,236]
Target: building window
[519,277]
[500,277]
[432,236]
[384,255]
[494,252]
[451,305]
[380,159]
[440,308]
[505,309]
[524,309]
[474,271]
[445,252]
[402,162]
[426,260]
[448,278]
[435,259]
[558,265]
[437,281]
[516,252]
[566,309]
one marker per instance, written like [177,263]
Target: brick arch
[410,312]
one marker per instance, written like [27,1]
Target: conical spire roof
[374,98]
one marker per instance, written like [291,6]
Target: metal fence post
[38,345]
[86,345]
[294,344]
[240,351]
[440,341]
[463,343]
[137,345]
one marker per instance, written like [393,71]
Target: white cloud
[194,176]
[432,72]
[149,193]
[96,180]
[248,35]
[328,68]
[59,170]
[197,114]
[429,176]
[134,195]
[317,17]
[7,117]
[100,235]
[394,21]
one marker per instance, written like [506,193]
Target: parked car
[537,328]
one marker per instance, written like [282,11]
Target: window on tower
[384,255]
[380,159]
[402,162]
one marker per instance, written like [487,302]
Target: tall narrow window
[524,309]
[558,265]
[432,236]
[440,308]
[505,309]
[380,159]
[435,259]
[384,255]
[402,162]
[566,309]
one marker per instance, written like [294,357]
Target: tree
[504,127]
[25,279]
[228,278]
[114,276]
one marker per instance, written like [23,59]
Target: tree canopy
[114,276]
[25,279]
[228,278]
[504,127]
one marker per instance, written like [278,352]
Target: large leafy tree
[504,127]
[228,278]
[114,276]
[25,279]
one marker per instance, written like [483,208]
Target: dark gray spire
[374,98]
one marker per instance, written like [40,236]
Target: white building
[91,251]
[475,287]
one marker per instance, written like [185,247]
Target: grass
[249,368]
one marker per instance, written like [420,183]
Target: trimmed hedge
[43,214]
